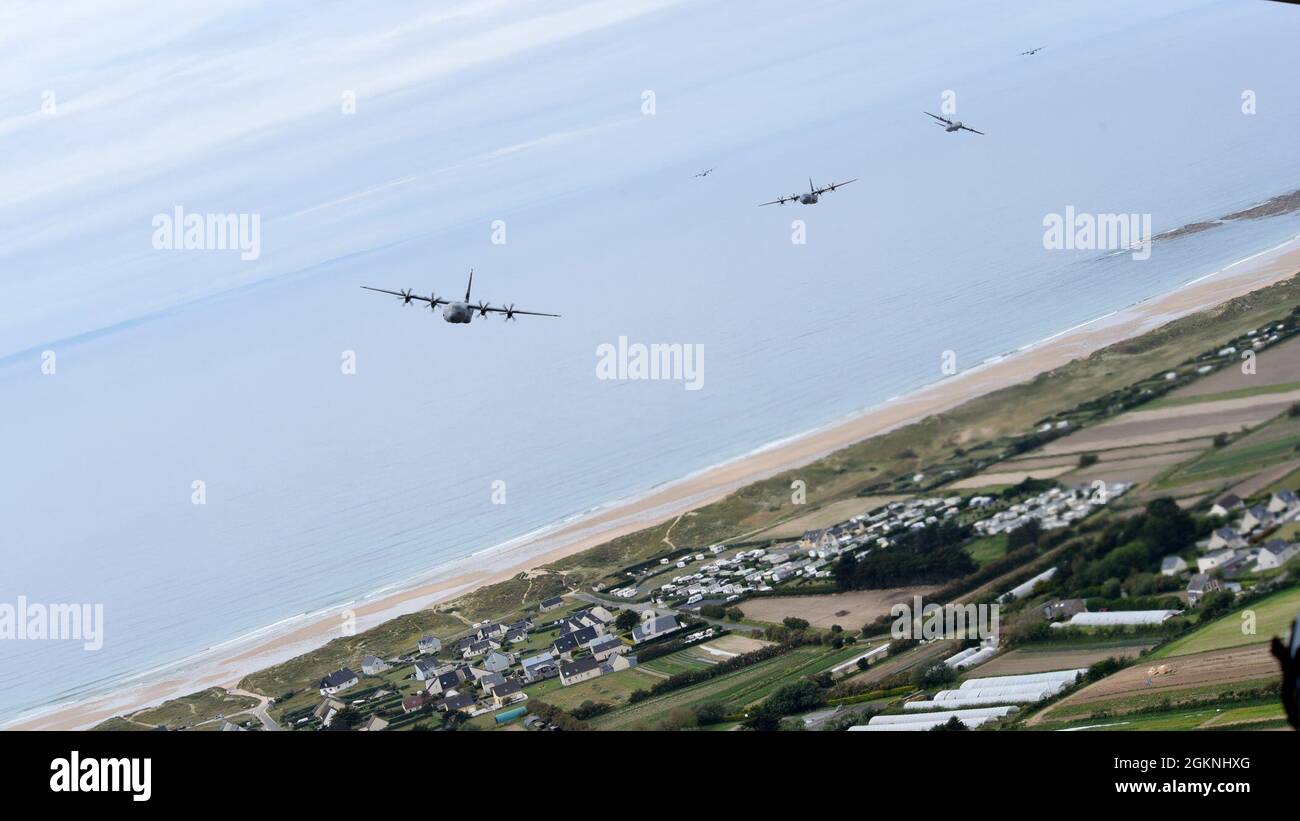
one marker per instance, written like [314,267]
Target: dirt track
[849,610]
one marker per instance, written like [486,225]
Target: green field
[1123,708]
[1289,482]
[736,690]
[1239,393]
[1270,444]
[1273,617]
[682,661]
[988,549]
[1246,717]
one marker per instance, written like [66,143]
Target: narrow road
[263,716]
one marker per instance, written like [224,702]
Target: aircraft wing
[510,311]
[834,185]
[944,120]
[434,300]
[968,128]
[781,201]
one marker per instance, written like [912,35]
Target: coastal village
[1121,540]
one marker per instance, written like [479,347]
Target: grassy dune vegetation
[390,638]
[187,712]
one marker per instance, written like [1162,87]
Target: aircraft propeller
[510,313]
[483,308]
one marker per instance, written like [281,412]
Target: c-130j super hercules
[459,312]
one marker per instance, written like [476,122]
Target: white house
[337,682]
[1218,558]
[539,667]
[326,710]
[605,646]
[1172,565]
[653,625]
[496,661]
[1275,554]
[1257,517]
[373,665]
[1283,501]
[581,670]
[1226,504]
[1225,537]
[429,644]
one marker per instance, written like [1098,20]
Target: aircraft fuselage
[809,199]
[458,312]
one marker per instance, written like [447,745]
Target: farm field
[988,548]
[1284,476]
[920,656]
[735,690]
[1188,446]
[1140,469]
[1173,424]
[1035,660]
[1291,481]
[702,656]
[989,479]
[685,661]
[1273,616]
[734,644]
[849,610]
[1274,367]
[1239,393]
[1201,676]
[1263,715]
[1268,445]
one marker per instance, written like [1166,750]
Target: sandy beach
[226,666]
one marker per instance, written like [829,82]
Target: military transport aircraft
[460,312]
[706,172]
[1031,51]
[814,194]
[953,125]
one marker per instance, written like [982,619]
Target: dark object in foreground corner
[1288,655]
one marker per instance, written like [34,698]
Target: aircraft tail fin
[470,285]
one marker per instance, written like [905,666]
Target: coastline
[225,664]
